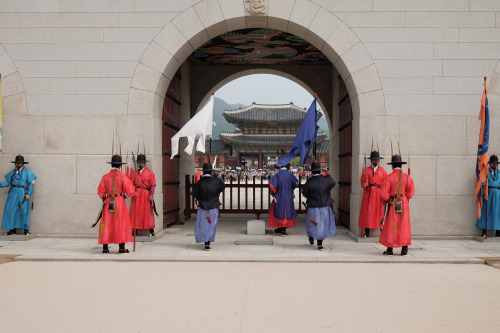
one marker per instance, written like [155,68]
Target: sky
[264,89]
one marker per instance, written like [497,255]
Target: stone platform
[178,244]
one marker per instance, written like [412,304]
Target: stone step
[254,240]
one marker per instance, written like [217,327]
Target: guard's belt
[145,188]
[394,196]
[498,188]
[19,186]
[116,195]
[374,185]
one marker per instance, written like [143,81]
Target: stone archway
[303,18]
[494,88]
[14,107]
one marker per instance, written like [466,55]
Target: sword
[310,219]
[386,210]
[154,208]
[99,215]
[18,206]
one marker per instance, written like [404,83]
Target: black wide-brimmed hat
[375,155]
[19,159]
[396,159]
[207,167]
[493,158]
[315,166]
[116,159]
[141,158]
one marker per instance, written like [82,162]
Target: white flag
[215,161]
[198,126]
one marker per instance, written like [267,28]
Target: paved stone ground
[177,244]
[247,297]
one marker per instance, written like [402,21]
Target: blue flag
[305,137]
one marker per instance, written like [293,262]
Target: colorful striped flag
[0,119]
[482,151]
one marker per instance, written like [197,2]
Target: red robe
[117,230]
[372,207]
[397,231]
[140,208]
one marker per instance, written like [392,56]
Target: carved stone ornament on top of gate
[256,7]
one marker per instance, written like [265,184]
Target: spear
[409,169]
[362,220]
[135,201]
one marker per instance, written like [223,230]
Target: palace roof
[282,114]
[217,146]
[263,142]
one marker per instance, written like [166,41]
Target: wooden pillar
[238,157]
[260,159]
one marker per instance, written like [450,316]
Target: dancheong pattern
[257,47]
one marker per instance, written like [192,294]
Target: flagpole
[316,142]
[210,151]
[0,118]
[210,145]
[486,222]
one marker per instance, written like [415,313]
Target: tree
[295,161]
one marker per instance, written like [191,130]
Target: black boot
[497,233]
[105,248]
[311,240]
[11,232]
[404,250]
[320,244]
[484,233]
[389,251]
[367,233]
[283,232]
[122,248]
[207,246]
[151,232]
[26,232]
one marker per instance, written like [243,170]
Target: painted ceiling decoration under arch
[257,47]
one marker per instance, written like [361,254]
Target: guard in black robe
[320,222]
[206,192]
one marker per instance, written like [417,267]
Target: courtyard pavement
[177,243]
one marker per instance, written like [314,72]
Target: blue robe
[13,217]
[206,225]
[284,183]
[325,223]
[493,204]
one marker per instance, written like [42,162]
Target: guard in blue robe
[18,204]
[206,191]
[320,222]
[282,212]
[493,202]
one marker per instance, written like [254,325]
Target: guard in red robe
[372,207]
[282,212]
[115,224]
[398,189]
[143,206]
[197,176]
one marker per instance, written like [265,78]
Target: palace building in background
[76,72]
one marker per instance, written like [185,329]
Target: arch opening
[166,56]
